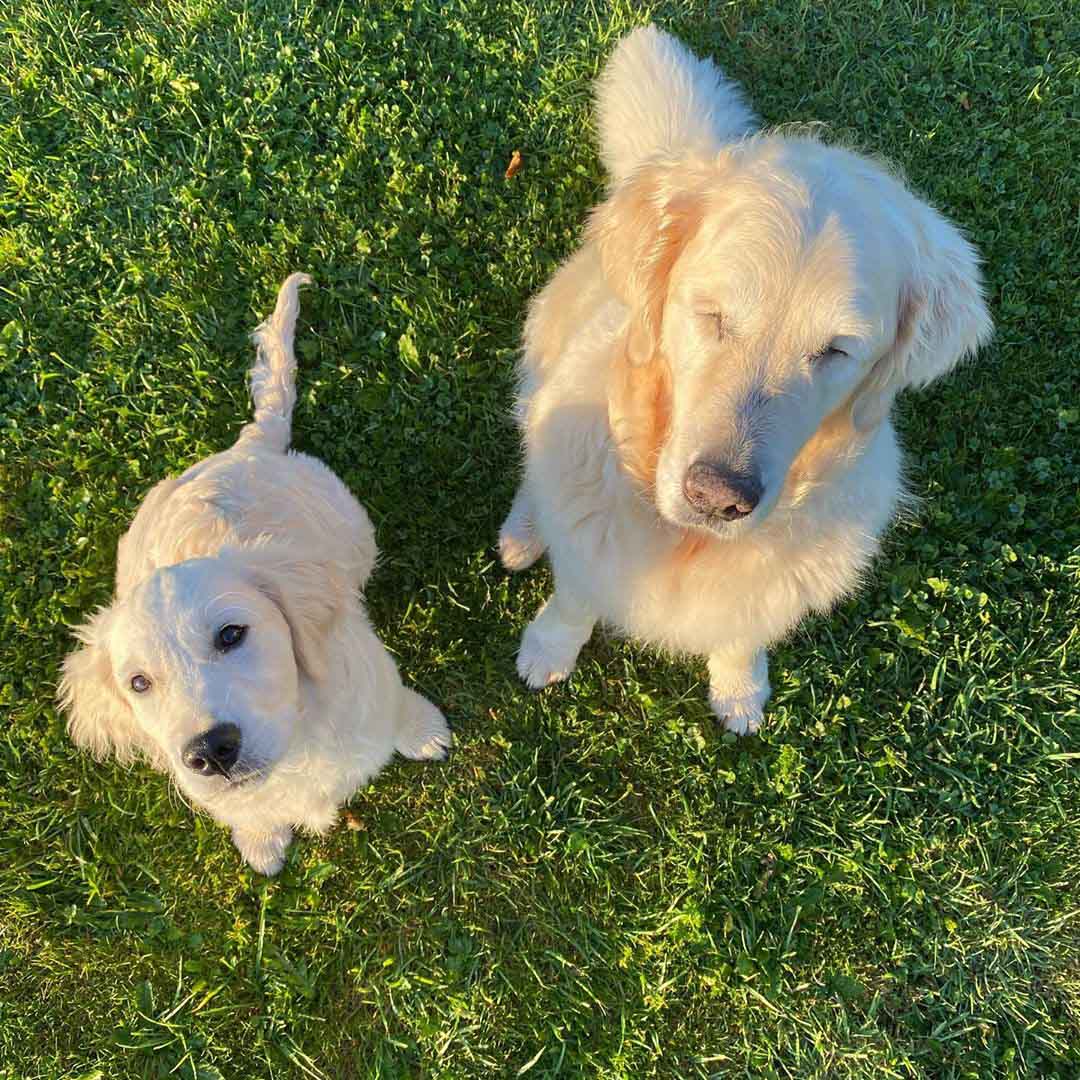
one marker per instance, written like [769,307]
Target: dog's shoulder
[563,306]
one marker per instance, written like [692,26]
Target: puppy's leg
[422,732]
[519,546]
[739,688]
[263,851]
[552,641]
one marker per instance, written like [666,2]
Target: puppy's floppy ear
[310,593]
[640,231]
[942,317]
[99,717]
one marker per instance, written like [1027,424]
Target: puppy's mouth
[246,774]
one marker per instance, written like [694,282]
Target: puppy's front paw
[519,548]
[544,659]
[424,734]
[264,852]
[743,715]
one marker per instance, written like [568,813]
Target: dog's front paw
[543,659]
[739,688]
[424,734]
[743,715]
[264,852]
[519,548]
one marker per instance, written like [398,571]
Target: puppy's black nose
[214,751]
[724,493]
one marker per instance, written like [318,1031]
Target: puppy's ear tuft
[99,718]
[640,230]
[310,593]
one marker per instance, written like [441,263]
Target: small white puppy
[706,384]
[236,654]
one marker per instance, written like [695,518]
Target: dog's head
[203,667]
[780,294]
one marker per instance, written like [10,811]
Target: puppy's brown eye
[228,637]
[140,684]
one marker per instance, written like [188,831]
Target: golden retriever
[706,384]
[236,654]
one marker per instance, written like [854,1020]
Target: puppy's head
[202,668]
[780,295]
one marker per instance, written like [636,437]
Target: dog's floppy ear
[942,318]
[640,231]
[310,593]
[99,717]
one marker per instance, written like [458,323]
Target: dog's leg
[552,641]
[264,852]
[519,546]
[422,732]
[739,688]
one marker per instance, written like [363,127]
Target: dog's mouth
[716,526]
[711,499]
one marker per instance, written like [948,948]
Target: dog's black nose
[214,751]
[719,491]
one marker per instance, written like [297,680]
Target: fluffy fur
[752,301]
[272,541]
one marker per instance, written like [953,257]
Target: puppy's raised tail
[656,97]
[273,375]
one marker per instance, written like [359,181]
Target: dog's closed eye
[826,353]
[716,319]
[228,637]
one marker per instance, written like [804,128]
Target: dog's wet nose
[214,751]
[716,490]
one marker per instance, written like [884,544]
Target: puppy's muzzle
[214,752]
[720,492]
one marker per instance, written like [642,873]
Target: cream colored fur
[272,540]
[755,300]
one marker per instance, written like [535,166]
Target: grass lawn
[600,883]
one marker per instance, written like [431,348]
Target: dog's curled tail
[655,97]
[273,375]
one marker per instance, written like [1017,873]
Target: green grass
[600,883]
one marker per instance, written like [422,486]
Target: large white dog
[237,654]
[706,384]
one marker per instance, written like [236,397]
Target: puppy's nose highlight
[214,751]
[724,493]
